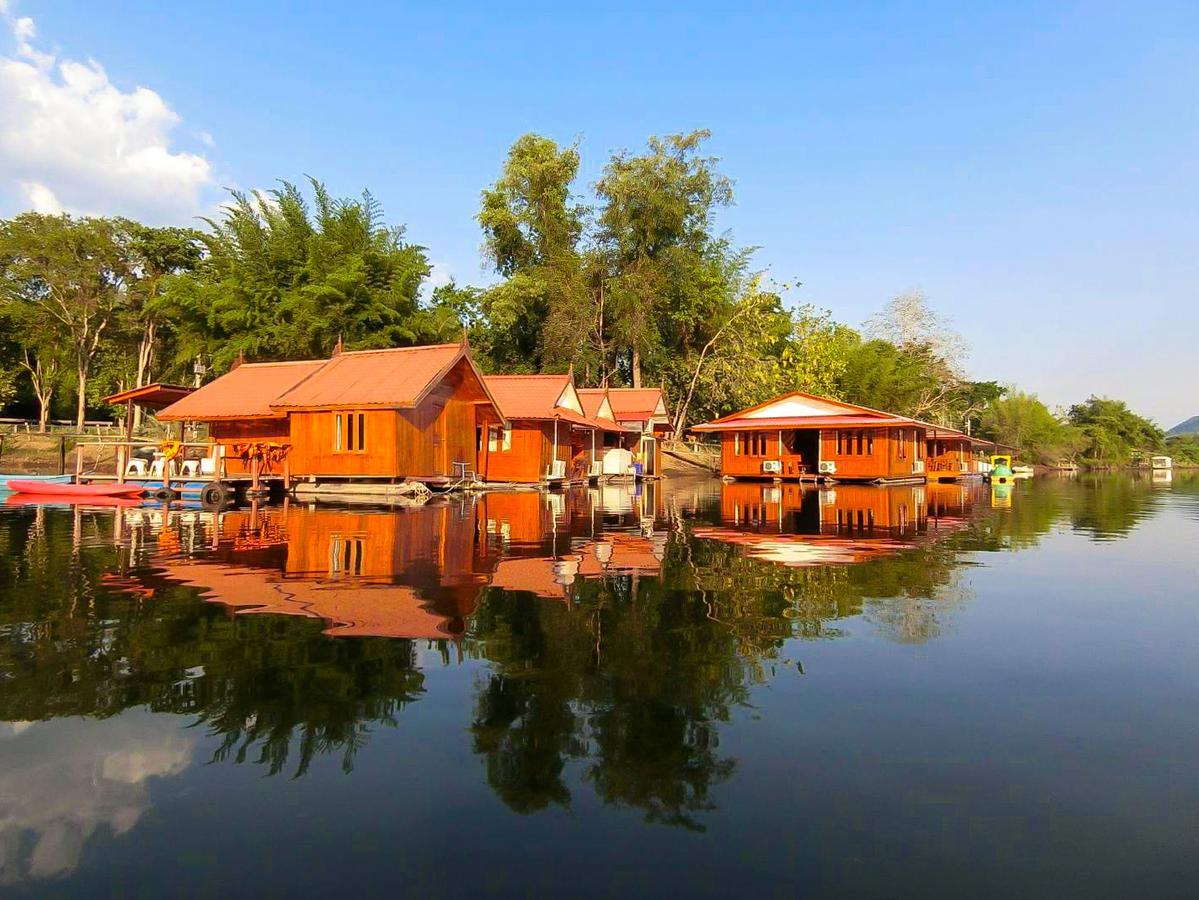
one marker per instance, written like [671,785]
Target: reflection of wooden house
[412,412]
[866,509]
[417,573]
[643,411]
[548,436]
[802,436]
[787,525]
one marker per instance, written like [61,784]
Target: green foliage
[64,284]
[1184,448]
[281,281]
[1113,431]
[1022,421]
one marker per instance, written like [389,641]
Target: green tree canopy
[280,280]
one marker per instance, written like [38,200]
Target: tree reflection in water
[612,630]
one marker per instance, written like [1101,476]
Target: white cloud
[71,139]
[440,274]
[40,198]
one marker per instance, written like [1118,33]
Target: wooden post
[254,470]
[78,460]
[62,454]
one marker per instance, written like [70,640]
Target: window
[860,443]
[901,449]
[736,443]
[345,555]
[349,432]
[499,438]
[870,443]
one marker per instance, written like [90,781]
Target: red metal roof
[862,421]
[628,404]
[536,397]
[245,392]
[398,377]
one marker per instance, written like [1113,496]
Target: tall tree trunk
[145,359]
[81,408]
[636,367]
[43,416]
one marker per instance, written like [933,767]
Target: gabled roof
[244,392]
[596,403]
[543,397]
[632,404]
[798,409]
[389,379]
[399,377]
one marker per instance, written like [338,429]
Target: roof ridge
[394,350]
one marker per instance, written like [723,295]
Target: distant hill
[1190,426]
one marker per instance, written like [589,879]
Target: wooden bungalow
[415,413]
[806,437]
[641,410]
[548,436]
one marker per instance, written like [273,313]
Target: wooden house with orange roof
[548,435]
[803,436]
[643,410]
[409,413]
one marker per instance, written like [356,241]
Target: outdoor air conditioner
[918,467]
[772,467]
[828,467]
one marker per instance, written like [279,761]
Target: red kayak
[76,491]
[54,500]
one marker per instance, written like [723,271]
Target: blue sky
[1033,167]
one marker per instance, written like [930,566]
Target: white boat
[1161,462]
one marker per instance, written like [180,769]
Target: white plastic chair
[136,468]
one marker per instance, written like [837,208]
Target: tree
[69,272]
[936,350]
[281,281]
[532,227]
[1022,421]
[1113,431]
[655,230]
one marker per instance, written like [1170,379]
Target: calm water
[696,689]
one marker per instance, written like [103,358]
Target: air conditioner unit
[828,467]
[918,467]
[772,467]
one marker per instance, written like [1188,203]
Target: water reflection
[59,785]
[608,636]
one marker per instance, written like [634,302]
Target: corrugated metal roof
[397,377]
[629,404]
[536,397]
[245,392]
[527,396]
[764,424]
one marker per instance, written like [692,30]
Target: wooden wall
[528,458]
[886,453]
[424,442]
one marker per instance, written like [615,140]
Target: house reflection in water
[416,573]
[796,525]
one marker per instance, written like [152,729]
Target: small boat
[53,500]
[1001,470]
[1022,471]
[64,491]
